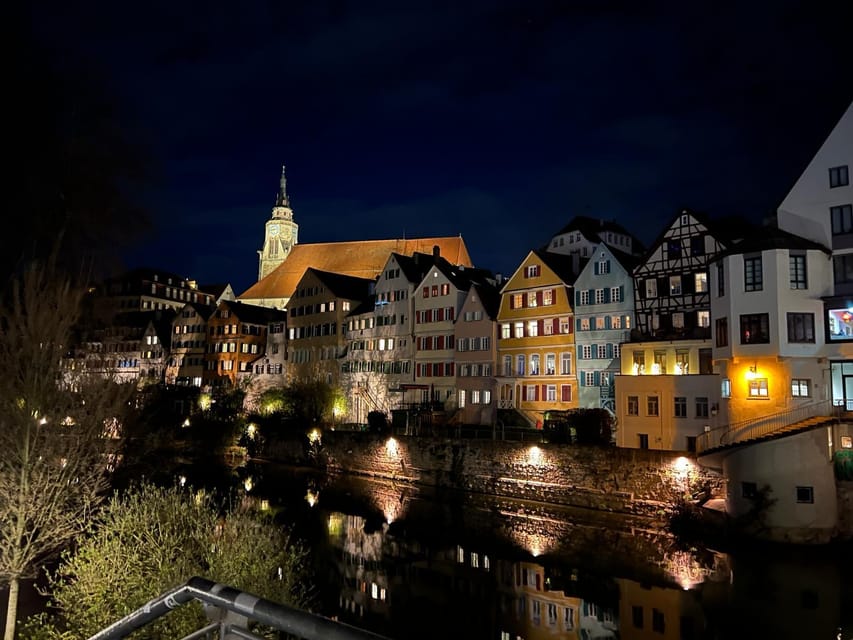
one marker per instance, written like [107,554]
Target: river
[411,562]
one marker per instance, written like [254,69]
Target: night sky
[497,120]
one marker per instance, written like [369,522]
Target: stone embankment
[630,481]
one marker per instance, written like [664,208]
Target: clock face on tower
[274,228]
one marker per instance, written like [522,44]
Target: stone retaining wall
[631,481]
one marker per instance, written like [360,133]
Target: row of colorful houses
[716,322]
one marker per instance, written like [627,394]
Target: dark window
[801,327]
[697,246]
[842,219]
[748,490]
[633,405]
[657,621]
[652,406]
[721,326]
[754,328]
[680,407]
[673,249]
[797,268]
[691,444]
[752,276]
[721,280]
[805,495]
[644,440]
[637,616]
[702,407]
[842,268]
[838,176]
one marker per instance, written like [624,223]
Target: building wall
[627,481]
[802,460]
[477,333]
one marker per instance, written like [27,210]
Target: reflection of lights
[682,464]
[391,447]
[535,456]
[248,483]
[336,524]
[251,430]
[311,497]
[43,420]
[68,421]
[314,436]
[265,505]
[684,568]
[186,423]
[535,543]
[182,481]
[682,471]
[204,401]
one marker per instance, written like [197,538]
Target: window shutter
[607,294]
[555,322]
[440,315]
[577,298]
[544,391]
[609,350]
[540,326]
[622,292]
[595,268]
[538,298]
[606,322]
[536,392]
[450,313]
[596,378]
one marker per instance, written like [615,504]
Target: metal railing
[231,611]
[763,426]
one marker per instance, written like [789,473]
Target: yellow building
[536,340]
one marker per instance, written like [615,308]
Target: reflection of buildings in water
[364,581]
[532,608]
[661,613]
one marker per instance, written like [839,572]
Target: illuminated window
[460,394]
[550,364]
[534,364]
[519,330]
[615,322]
[800,387]
[565,364]
[531,299]
[758,388]
[700,282]
[547,297]
[519,365]
[505,331]
[532,271]
[726,388]
[703,318]
[532,328]
[551,393]
[675,285]
[565,325]
[584,324]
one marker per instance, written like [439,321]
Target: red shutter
[450,313]
[451,368]
[440,342]
[544,391]
[440,315]
[555,326]
[540,326]
[536,392]
[538,298]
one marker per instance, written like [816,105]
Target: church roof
[361,258]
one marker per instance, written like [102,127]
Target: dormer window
[532,271]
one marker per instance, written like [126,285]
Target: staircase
[769,427]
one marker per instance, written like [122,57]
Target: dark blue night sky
[497,120]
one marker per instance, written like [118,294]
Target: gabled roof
[591,229]
[415,266]
[342,285]
[364,259]
[769,238]
[462,277]
[252,313]
[560,264]
[725,229]
[203,310]
[490,298]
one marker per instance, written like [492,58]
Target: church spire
[281,199]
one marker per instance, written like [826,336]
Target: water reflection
[416,563]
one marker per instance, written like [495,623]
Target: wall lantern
[752,372]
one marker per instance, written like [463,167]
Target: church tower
[280,233]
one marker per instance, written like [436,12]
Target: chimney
[436,251]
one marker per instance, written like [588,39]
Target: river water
[409,562]
[412,563]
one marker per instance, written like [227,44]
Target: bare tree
[57,428]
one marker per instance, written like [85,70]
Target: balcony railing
[231,611]
[764,426]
